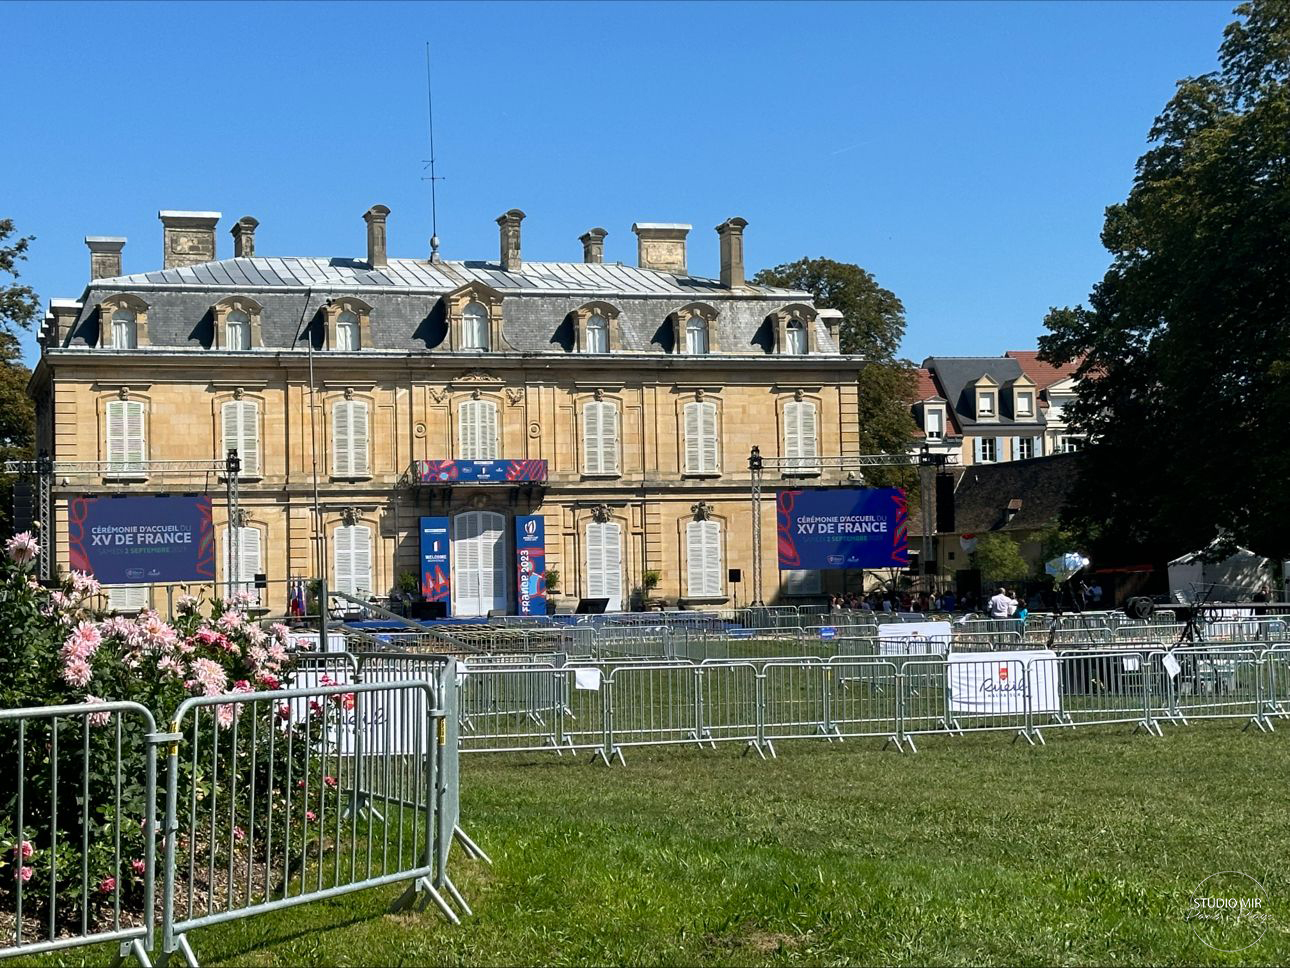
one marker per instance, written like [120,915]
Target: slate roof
[407,314]
[1042,486]
[1043,374]
[956,375]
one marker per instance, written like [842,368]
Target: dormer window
[934,423]
[1025,403]
[985,404]
[474,327]
[795,334]
[597,335]
[125,330]
[349,336]
[237,330]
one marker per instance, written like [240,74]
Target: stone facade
[184,375]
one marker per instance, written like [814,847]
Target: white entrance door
[605,564]
[478,563]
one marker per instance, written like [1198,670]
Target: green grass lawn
[974,851]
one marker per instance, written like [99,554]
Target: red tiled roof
[926,388]
[1043,375]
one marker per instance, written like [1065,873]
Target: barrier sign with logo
[530,563]
[828,633]
[393,720]
[436,576]
[124,540]
[480,471]
[913,638]
[843,528]
[996,683]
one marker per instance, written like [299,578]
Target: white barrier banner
[913,638]
[393,720]
[995,683]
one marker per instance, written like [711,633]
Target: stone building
[642,387]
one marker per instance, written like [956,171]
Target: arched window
[477,420]
[125,330]
[349,439]
[600,438]
[353,560]
[696,335]
[703,559]
[702,453]
[241,420]
[474,327]
[348,334]
[801,436]
[597,335]
[796,333]
[249,561]
[237,330]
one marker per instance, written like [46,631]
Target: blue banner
[530,563]
[480,471]
[843,528]
[136,540]
[436,575]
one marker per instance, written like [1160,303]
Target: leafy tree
[18,308]
[873,319]
[999,558]
[1185,343]
[18,304]
[873,324]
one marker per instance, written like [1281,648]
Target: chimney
[243,232]
[593,245]
[62,317]
[510,223]
[188,238]
[731,234]
[661,245]
[375,218]
[105,255]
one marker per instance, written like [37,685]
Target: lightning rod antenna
[434,177]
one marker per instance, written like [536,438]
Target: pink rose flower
[239,834]
[107,885]
[24,873]
[24,850]
[310,815]
[22,548]
[329,780]
[139,867]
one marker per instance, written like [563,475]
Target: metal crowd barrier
[75,794]
[271,800]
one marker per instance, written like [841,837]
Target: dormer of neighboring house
[936,428]
[985,398]
[1025,404]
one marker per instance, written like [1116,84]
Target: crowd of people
[1004,603]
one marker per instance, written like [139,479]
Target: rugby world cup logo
[530,529]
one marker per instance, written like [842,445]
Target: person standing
[1000,605]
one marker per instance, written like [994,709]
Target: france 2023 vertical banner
[530,563]
[843,528]
[436,574]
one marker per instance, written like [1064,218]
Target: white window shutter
[978,448]
[792,431]
[593,443]
[693,438]
[1039,446]
[116,435]
[341,441]
[358,438]
[249,450]
[712,558]
[136,446]
[614,566]
[249,551]
[703,559]
[488,429]
[711,452]
[998,448]
[362,552]
[610,419]
[808,439]
[1015,453]
[344,560]
[595,561]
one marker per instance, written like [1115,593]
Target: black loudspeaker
[261,580]
[735,576]
[945,503]
[1141,608]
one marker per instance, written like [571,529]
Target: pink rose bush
[58,648]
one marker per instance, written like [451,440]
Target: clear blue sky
[963,153]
